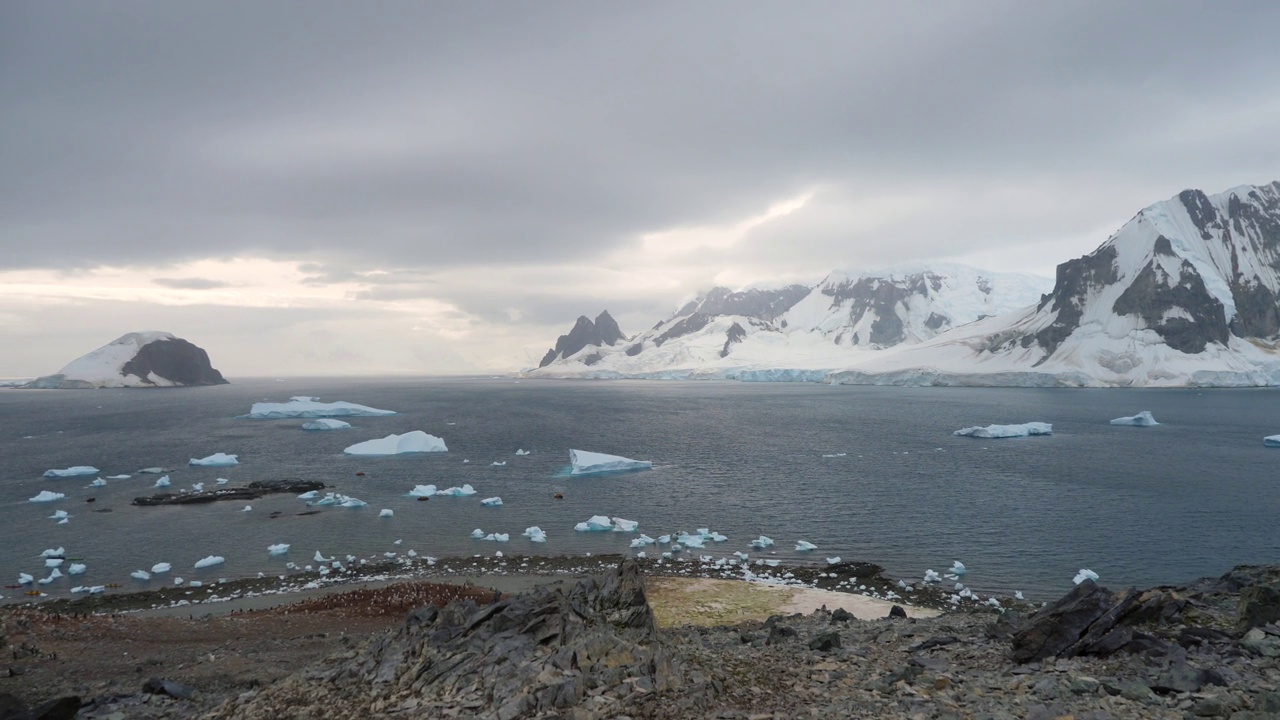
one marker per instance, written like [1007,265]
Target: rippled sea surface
[1141,506]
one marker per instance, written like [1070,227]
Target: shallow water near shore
[1140,506]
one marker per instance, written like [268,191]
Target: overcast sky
[323,187]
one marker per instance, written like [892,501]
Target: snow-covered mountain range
[1187,293]
[137,359]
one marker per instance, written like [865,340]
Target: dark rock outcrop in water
[252,491]
[585,333]
[177,360]
[538,654]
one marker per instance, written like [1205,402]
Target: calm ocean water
[1139,506]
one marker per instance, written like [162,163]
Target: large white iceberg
[215,460]
[593,463]
[46,496]
[72,471]
[1142,419]
[309,407]
[325,424]
[416,441]
[1007,431]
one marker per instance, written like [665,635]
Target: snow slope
[136,359]
[1185,294]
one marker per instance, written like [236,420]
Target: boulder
[1059,626]
[1259,605]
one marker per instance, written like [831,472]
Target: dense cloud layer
[450,139]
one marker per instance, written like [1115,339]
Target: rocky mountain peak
[603,332]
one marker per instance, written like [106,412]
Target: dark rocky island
[145,359]
[252,491]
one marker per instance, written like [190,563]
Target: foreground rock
[253,490]
[595,646]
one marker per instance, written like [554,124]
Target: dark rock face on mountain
[603,332]
[760,304]
[177,360]
[540,654]
[1076,280]
[1153,294]
[882,296]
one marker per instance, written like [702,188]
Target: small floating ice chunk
[1007,431]
[98,482]
[1085,574]
[834,455]
[416,441]
[25,579]
[1017,595]
[76,569]
[198,487]
[159,568]
[495,463]
[210,561]
[386,512]
[325,424]
[118,477]
[54,574]
[53,562]
[178,581]
[931,576]
[278,549]
[321,558]
[762,542]
[535,534]
[620,525]
[596,523]
[491,502]
[664,539]
[72,471]
[478,534]
[222,481]
[1271,441]
[140,575]
[59,515]
[247,508]
[1142,419]
[309,495]
[522,451]
[463,491]
[593,463]
[46,496]
[157,470]
[422,491]
[805,546]
[958,570]
[309,407]
[500,537]
[54,552]
[833,560]
[691,541]
[163,481]
[215,460]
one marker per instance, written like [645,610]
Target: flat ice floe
[46,496]
[278,549]
[325,424]
[210,561]
[491,502]
[593,463]
[98,482]
[1142,419]
[215,460]
[463,491]
[1007,431]
[416,441]
[309,407]
[72,471]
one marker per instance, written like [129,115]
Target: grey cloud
[457,134]
[191,283]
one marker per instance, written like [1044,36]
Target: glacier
[1006,431]
[415,441]
[593,463]
[309,407]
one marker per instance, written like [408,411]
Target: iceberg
[385,512]
[463,491]
[762,542]
[54,574]
[140,575]
[491,502]
[535,534]
[98,482]
[159,568]
[422,491]
[1085,574]
[691,541]
[118,477]
[805,546]
[54,562]
[198,487]
[247,508]
[620,525]
[1142,419]
[325,424]
[1271,441]
[495,463]
[593,463]
[210,561]
[25,579]
[46,496]
[499,537]
[222,481]
[336,500]
[1006,431]
[309,495]
[72,471]
[215,460]
[833,560]
[76,569]
[54,552]
[309,407]
[153,471]
[416,441]
[596,523]
[931,577]
[163,481]
[59,515]
[522,451]
[321,558]
[279,549]
[478,534]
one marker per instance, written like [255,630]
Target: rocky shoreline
[1206,649]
